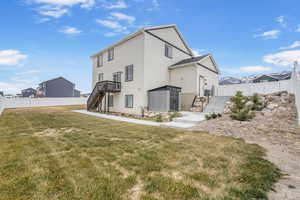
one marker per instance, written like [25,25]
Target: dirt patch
[136,192]
[49,132]
[52,132]
[277,131]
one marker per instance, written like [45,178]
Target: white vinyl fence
[295,88]
[39,102]
[1,104]
[249,89]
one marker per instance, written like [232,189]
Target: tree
[240,111]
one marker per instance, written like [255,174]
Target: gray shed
[166,98]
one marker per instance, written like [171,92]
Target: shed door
[174,100]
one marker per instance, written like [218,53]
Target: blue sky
[43,39]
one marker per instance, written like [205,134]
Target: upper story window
[168,51]
[99,60]
[110,55]
[100,77]
[117,76]
[129,73]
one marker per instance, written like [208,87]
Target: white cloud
[110,34]
[292,46]
[255,69]
[118,5]
[11,57]
[33,71]
[273,34]
[122,16]
[82,3]
[284,58]
[55,12]
[197,52]
[116,26]
[70,30]
[281,21]
[298,29]
[58,8]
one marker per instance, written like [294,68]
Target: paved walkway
[188,120]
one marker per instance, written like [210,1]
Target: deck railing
[103,86]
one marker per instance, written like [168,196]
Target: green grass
[52,153]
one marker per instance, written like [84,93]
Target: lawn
[52,153]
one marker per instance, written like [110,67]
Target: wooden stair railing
[99,91]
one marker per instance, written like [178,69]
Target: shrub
[174,115]
[212,116]
[240,111]
[207,117]
[257,103]
[159,118]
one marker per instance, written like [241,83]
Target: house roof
[28,89]
[166,87]
[140,31]
[189,60]
[56,79]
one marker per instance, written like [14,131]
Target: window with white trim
[168,51]
[99,60]
[129,101]
[129,73]
[110,55]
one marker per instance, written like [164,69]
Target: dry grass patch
[53,153]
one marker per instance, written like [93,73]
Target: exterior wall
[159,100]
[127,53]
[170,35]
[156,73]
[186,78]
[251,88]
[211,78]
[59,88]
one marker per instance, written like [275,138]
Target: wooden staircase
[99,92]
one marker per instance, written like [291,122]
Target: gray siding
[59,88]
[159,100]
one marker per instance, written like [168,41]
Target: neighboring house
[272,77]
[57,87]
[1,94]
[76,93]
[29,92]
[229,81]
[152,58]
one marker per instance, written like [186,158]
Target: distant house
[272,77]
[57,87]
[229,80]
[76,93]
[1,94]
[29,92]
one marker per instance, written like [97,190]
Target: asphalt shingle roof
[190,60]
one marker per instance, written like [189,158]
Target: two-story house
[153,68]
[57,87]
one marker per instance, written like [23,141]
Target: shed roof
[166,87]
